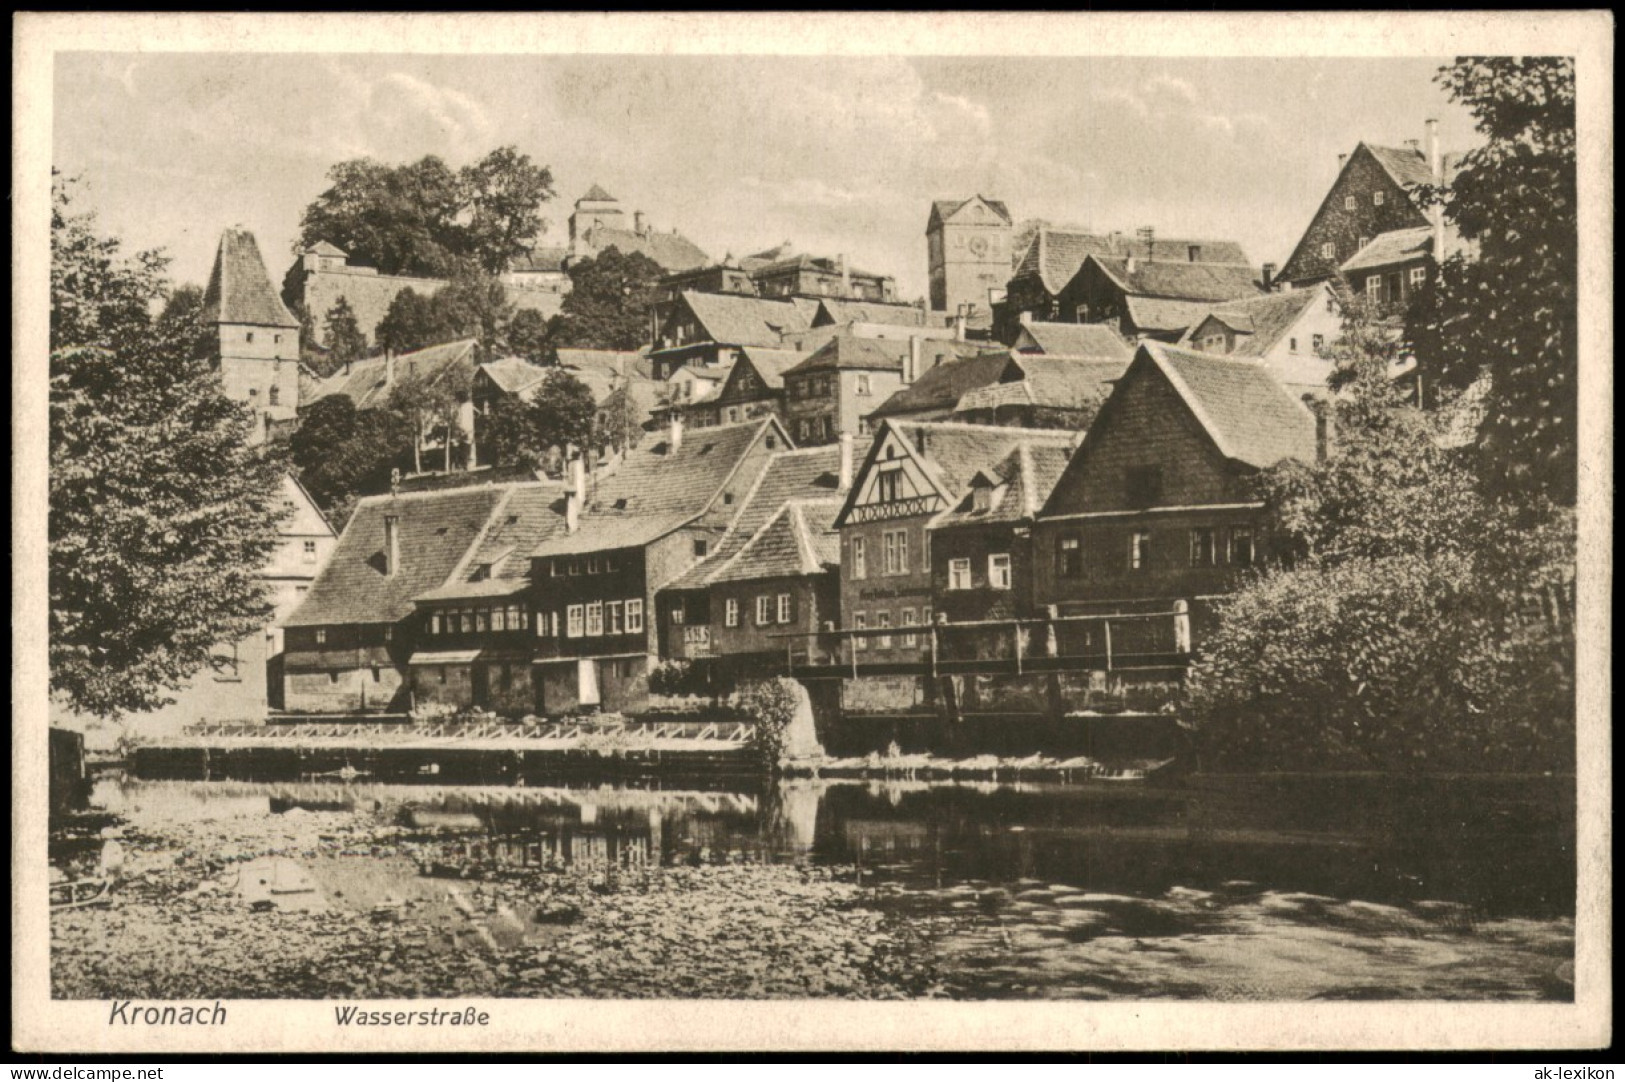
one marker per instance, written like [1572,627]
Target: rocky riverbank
[334,904]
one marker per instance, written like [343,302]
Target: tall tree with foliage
[161,515]
[1508,313]
[560,414]
[608,303]
[346,342]
[505,191]
[425,219]
[341,455]
[529,336]
[411,322]
[474,305]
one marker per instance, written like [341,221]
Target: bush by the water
[772,704]
[679,678]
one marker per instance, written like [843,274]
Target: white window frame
[1240,534]
[895,551]
[595,619]
[999,571]
[1373,287]
[883,619]
[310,552]
[1139,550]
[614,623]
[634,616]
[321,636]
[434,623]
[1348,202]
[959,573]
[499,619]
[860,559]
[577,625]
[730,612]
[764,610]
[1204,546]
[1317,343]
[906,619]
[1328,250]
[1377,198]
[1418,277]
[784,608]
[860,622]
[862,384]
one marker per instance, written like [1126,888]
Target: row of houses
[732,546]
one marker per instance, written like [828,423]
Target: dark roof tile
[239,289]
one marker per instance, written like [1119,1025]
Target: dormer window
[982,499]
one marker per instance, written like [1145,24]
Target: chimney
[392,545]
[1114,241]
[578,478]
[844,483]
[911,366]
[1148,237]
[675,439]
[1436,168]
[640,225]
[846,277]
[959,323]
[1131,263]
[1342,160]
[1269,277]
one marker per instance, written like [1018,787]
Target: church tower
[256,336]
[968,253]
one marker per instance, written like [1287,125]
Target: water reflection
[1501,848]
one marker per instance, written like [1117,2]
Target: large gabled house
[767,576]
[708,330]
[912,474]
[1375,193]
[1053,257]
[1287,332]
[369,383]
[627,535]
[753,388]
[1158,299]
[1156,505]
[348,642]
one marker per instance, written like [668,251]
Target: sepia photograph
[982,526]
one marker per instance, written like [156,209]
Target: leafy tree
[412,322]
[1509,315]
[341,454]
[508,434]
[473,305]
[505,192]
[430,403]
[345,340]
[161,514]
[618,422]
[424,219]
[529,336]
[563,411]
[608,303]
[403,219]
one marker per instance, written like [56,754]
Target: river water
[1204,888]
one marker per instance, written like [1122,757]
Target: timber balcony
[1143,642]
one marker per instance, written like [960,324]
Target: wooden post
[1107,624]
[933,629]
[1017,626]
[852,648]
[1182,627]
[1052,641]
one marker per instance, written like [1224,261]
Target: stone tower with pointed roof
[595,210]
[257,338]
[968,254]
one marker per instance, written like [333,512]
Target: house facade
[912,474]
[1374,193]
[771,581]
[708,330]
[753,388]
[633,532]
[1287,332]
[1156,504]
[830,393]
[1158,299]
[1053,257]
[348,643]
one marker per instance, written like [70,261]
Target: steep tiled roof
[654,490]
[1395,246]
[808,262]
[808,473]
[1247,413]
[530,515]
[846,351]
[1077,340]
[599,369]
[671,251]
[366,383]
[1030,472]
[1055,255]
[745,321]
[239,289]
[1408,166]
[595,194]
[514,374]
[940,386]
[1183,281]
[833,310]
[798,540]
[943,209]
[953,452]
[437,530]
[1056,382]
[772,364]
[323,247]
[1263,320]
[1164,316]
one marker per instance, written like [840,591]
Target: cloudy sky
[740,153]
